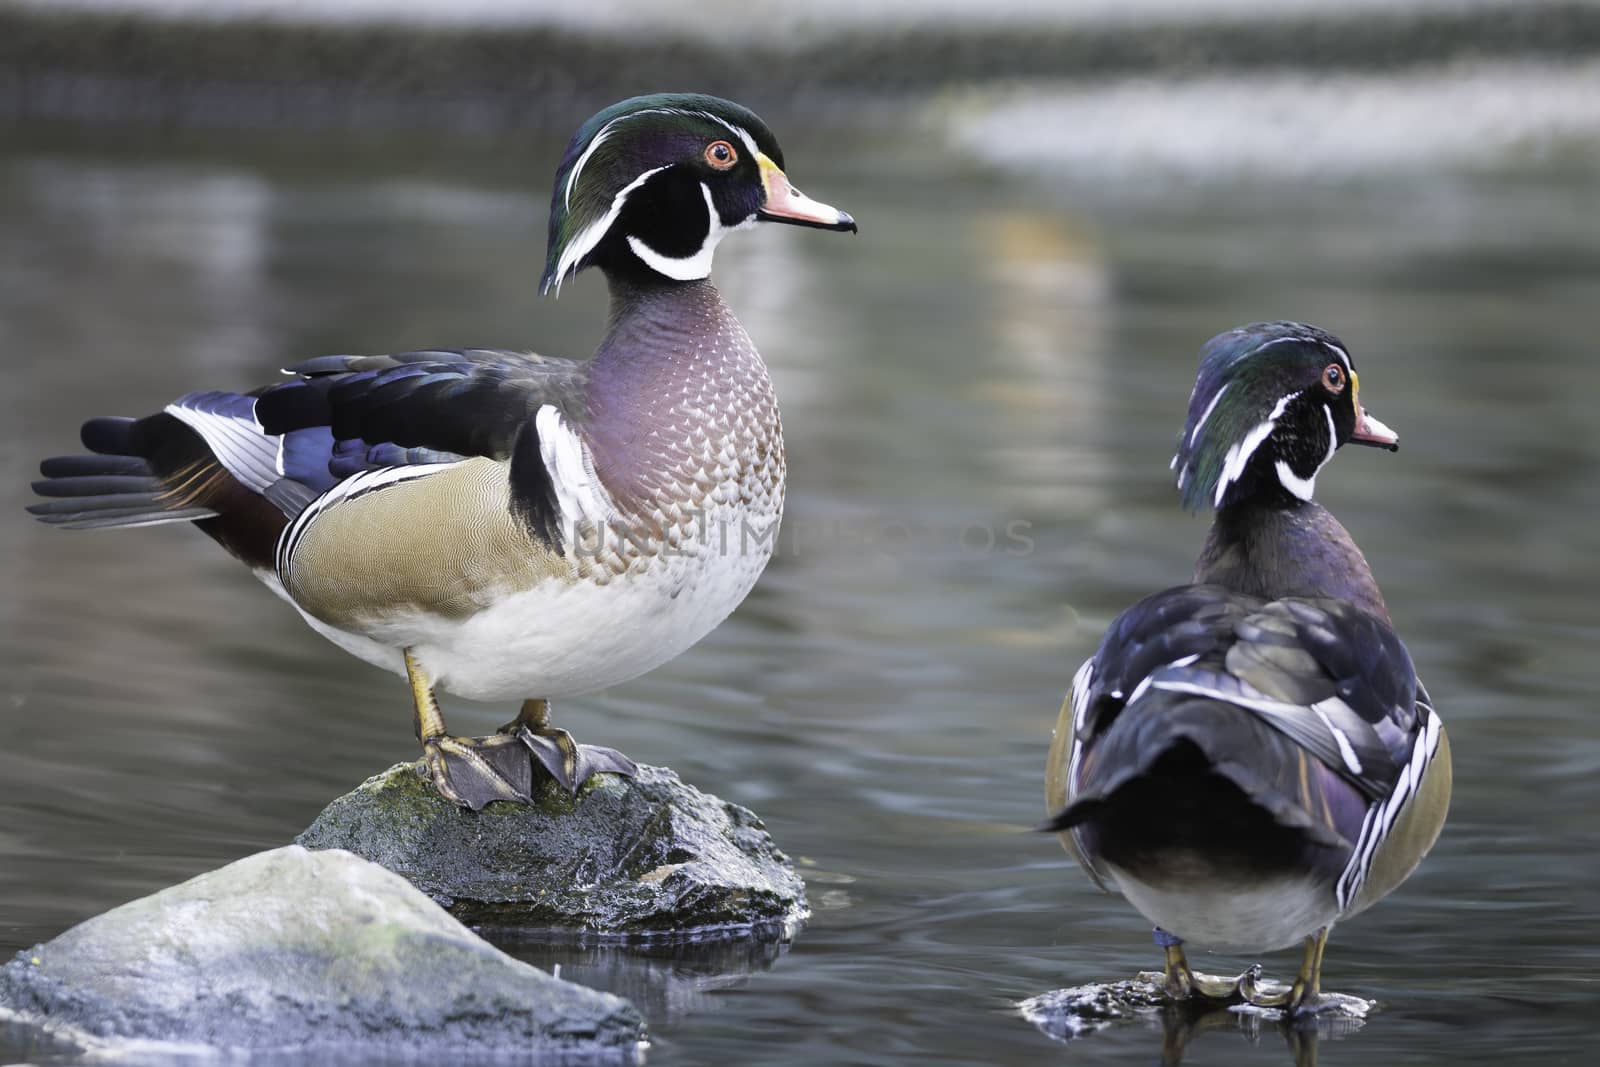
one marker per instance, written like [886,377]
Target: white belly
[559,638]
[1253,917]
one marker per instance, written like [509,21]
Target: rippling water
[980,394]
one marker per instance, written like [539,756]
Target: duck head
[1272,403]
[651,185]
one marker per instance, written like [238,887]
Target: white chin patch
[688,268]
[1300,487]
[1305,487]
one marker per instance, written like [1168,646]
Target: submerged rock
[642,857]
[1065,1014]
[297,950]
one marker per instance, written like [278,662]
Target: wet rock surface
[1076,1012]
[642,858]
[295,950]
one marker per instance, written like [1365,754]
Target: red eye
[1333,378]
[720,154]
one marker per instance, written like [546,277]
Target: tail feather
[84,466]
[158,470]
[93,492]
[109,435]
[1270,771]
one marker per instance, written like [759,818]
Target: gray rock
[293,950]
[642,857]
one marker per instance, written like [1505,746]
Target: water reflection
[1183,1023]
[667,982]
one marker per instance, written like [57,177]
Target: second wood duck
[502,524]
[1251,758]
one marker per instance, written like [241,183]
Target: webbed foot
[1303,999]
[474,771]
[1180,982]
[568,762]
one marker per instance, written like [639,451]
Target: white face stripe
[595,232]
[1299,339]
[577,168]
[738,131]
[1195,433]
[1239,452]
[689,267]
[1305,488]
[605,132]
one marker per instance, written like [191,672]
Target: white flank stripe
[583,499]
[1080,693]
[690,267]
[243,448]
[1081,682]
[1347,752]
[1381,817]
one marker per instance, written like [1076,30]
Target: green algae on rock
[295,950]
[647,857]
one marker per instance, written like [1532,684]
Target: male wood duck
[502,524]
[1251,758]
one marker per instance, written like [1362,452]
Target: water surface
[980,394]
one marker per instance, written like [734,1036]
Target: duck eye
[720,154]
[1333,378]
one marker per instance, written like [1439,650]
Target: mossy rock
[646,857]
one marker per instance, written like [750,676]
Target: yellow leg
[535,715]
[467,771]
[1305,996]
[427,719]
[1307,988]
[1181,983]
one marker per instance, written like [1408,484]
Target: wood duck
[503,524]
[1251,758]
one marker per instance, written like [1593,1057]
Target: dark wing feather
[1321,673]
[1162,628]
[473,402]
[349,414]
